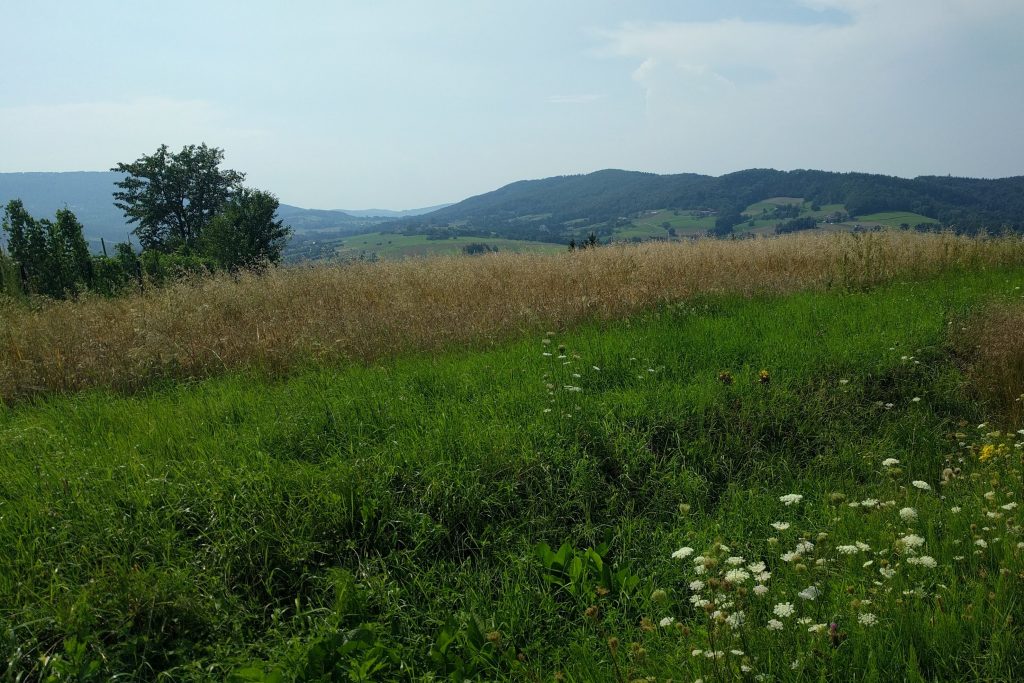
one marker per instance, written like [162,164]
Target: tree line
[190,216]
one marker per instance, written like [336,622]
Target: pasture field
[651,225]
[894,219]
[398,246]
[778,480]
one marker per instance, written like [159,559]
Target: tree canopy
[172,197]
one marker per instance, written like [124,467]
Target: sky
[404,104]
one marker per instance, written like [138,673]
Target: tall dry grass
[993,342]
[292,316]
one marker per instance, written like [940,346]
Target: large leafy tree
[244,234]
[172,197]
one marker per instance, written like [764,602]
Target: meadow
[669,462]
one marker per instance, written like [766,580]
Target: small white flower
[780,526]
[696,653]
[696,585]
[869,503]
[923,485]
[924,561]
[1008,506]
[804,547]
[867,619]
[735,561]
[756,567]
[682,553]
[784,609]
[991,495]
[790,557]
[908,514]
[760,589]
[735,620]
[803,621]
[955,509]
[791,498]
[916,399]
[981,543]
[737,575]
[809,593]
[887,572]
[666,621]
[911,541]
[847,549]
[774,625]
[816,628]
[890,462]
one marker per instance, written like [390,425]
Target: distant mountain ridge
[90,195]
[544,209]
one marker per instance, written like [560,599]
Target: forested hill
[89,194]
[518,209]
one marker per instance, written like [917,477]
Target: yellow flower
[987,451]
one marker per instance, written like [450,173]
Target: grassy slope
[392,246]
[234,520]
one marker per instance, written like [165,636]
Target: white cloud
[891,89]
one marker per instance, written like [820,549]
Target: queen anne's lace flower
[791,498]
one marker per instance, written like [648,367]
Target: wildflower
[890,462]
[990,495]
[847,549]
[737,575]
[981,543]
[682,553]
[923,485]
[803,621]
[924,561]
[696,653]
[789,557]
[666,621]
[816,628]
[774,625]
[911,541]
[696,585]
[863,546]
[908,514]
[887,572]
[784,609]
[955,509]
[725,377]
[916,399]
[809,593]
[763,377]
[987,451]
[844,381]
[780,526]
[1008,506]
[735,561]
[735,620]
[867,619]
[791,498]
[869,502]
[760,589]
[756,567]
[804,547]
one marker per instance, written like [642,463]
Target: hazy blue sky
[400,104]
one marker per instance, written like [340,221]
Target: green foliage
[172,197]
[244,233]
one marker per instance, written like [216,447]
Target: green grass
[383,522]
[771,203]
[893,219]
[650,225]
[397,246]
